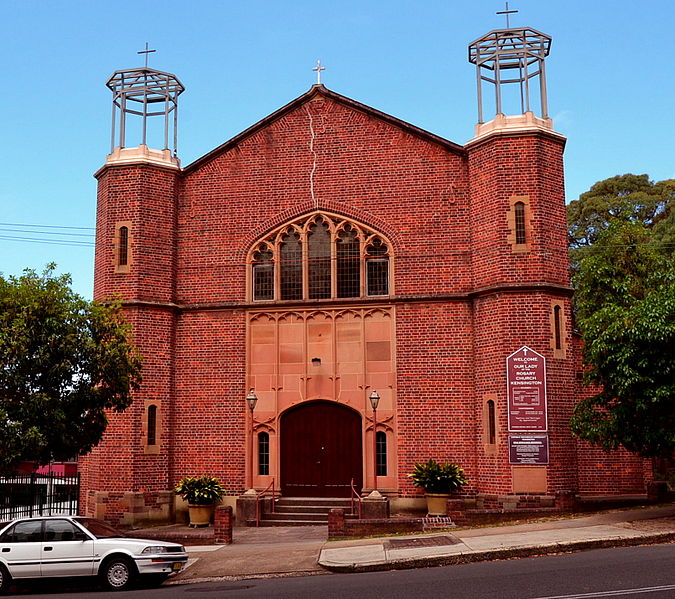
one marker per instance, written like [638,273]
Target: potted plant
[438,482]
[201,494]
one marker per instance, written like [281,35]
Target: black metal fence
[39,495]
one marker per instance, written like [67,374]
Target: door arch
[321,450]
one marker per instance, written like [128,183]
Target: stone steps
[303,511]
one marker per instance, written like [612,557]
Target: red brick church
[328,253]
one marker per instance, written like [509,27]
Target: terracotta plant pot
[437,504]
[200,515]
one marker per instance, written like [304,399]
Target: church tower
[521,298]
[136,263]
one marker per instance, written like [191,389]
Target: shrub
[201,490]
[438,478]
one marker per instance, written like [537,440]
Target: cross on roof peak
[146,52]
[318,68]
[506,13]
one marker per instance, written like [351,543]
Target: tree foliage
[64,362]
[625,309]
[624,198]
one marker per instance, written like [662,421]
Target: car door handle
[6,550]
[48,548]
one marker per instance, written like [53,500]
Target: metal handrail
[257,501]
[355,497]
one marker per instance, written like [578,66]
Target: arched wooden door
[320,450]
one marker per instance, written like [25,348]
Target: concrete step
[303,511]
[307,509]
[327,502]
[288,523]
[296,516]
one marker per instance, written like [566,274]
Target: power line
[45,226]
[12,230]
[68,242]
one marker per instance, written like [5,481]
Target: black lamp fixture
[251,399]
[374,399]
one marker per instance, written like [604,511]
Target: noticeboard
[526,391]
[528,450]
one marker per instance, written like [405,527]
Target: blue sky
[611,87]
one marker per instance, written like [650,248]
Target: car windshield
[99,529]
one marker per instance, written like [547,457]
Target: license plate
[177,566]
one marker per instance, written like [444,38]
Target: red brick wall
[464,299]
[365,169]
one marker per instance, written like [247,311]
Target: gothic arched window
[320,256]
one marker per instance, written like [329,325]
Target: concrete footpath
[301,551]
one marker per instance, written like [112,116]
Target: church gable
[324,152]
[319,97]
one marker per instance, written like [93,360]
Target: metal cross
[507,12]
[318,68]
[146,52]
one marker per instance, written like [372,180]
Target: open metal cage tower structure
[144,92]
[514,55]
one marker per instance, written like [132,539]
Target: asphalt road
[630,573]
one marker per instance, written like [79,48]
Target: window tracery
[320,256]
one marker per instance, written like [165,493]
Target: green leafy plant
[438,478]
[200,490]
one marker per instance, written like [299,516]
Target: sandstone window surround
[519,219]
[320,256]
[122,246]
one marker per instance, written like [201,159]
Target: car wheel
[118,573]
[5,579]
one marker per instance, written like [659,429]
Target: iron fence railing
[28,495]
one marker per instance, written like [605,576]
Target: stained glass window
[320,256]
[319,260]
[263,274]
[377,264]
[348,263]
[291,266]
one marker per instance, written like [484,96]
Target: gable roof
[320,89]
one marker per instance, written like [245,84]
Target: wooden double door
[321,450]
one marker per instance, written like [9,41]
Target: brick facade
[463,296]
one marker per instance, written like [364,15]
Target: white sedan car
[75,546]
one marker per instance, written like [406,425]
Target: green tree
[625,309]
[64,362]
[624,198]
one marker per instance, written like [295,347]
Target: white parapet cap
[517,123]
[142,154]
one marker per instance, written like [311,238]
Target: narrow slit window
[557,326]
[152,425]
[381,453]
[123,248]
[263,454]
[491,423]
[519,209]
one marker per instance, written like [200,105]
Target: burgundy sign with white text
[526,391]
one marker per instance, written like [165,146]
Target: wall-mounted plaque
[528,450]
[526,391]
